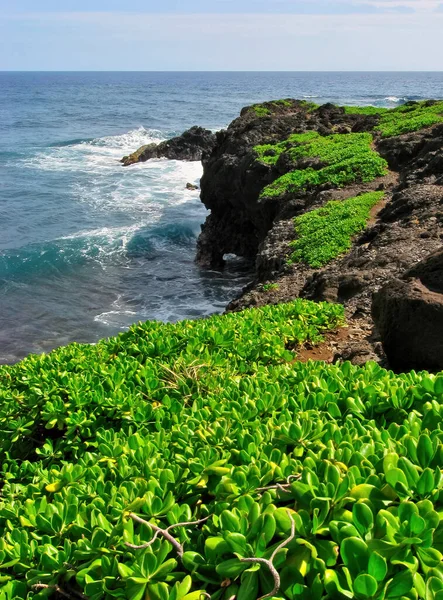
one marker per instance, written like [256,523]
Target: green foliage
[283,102]
[150,422]
[325,233]
[365,110]
[393,121]
[268,287]
[405,119]
[176,423]
[344,159]
[260,110]
[270,153]
[402,119]
[169,424]
[267,108]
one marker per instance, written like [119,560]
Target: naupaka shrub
[202,460]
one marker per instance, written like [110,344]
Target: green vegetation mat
[344,159]
[270,153]
[403,119]
[239,471]
[151,422]
[266,109]
[325,233]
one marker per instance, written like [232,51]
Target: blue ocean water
[88,247]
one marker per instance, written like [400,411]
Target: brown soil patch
[375,210]
[325,351]
[354,342]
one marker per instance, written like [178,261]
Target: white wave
[394,99]
[109,233]
[140,193]
[119,318]
[101,243]
[310,96]
[130,141]
[100,153]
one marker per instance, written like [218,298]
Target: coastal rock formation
[191,145]
[257,153]
[408,313]
[233,178]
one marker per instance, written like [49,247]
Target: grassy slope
[347,159]
[325,233]
[403,119]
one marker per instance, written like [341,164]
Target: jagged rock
[418,154]
[192,145]
[408,313]
[191,186]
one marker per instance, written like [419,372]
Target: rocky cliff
[281,160]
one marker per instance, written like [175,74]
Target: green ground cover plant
[327,232]
[365,110]
[266,108]
[260,110]
[198,460]
[91,435]
[344,159]
[270,153]
[403,119]
[269,287]
[406,119]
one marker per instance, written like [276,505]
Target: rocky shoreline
[244,161]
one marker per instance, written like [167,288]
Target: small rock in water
[191,145]
[191,186]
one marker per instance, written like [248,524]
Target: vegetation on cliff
[270,153]
[327,232]
[343,159]
[403,119]
[266,109]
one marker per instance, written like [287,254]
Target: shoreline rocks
[191,145]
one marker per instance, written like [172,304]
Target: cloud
[439,8]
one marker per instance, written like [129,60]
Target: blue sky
[221,35]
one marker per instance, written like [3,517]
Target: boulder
[408,314]
[191,145]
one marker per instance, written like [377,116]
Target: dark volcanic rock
[233,178]
[418,155]
[191,145]
[408,313]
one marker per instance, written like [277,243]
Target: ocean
[88,247]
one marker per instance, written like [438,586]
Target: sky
[221,35]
